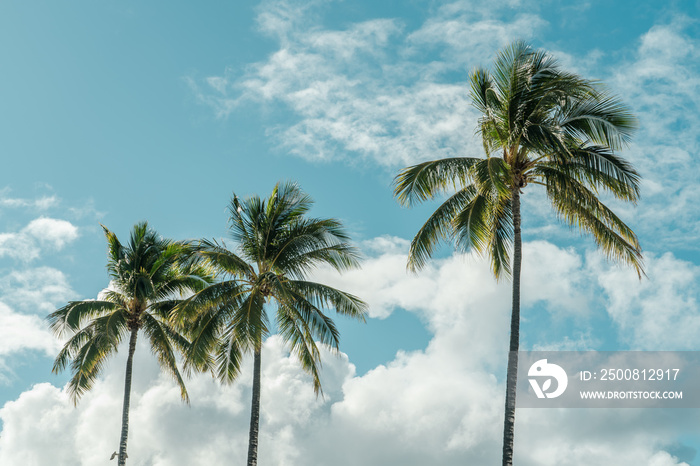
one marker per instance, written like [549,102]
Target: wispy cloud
[367,90]
[379,91]
[661,81]
[41,203]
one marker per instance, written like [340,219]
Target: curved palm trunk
[512,374]
[127,396]
[254,412]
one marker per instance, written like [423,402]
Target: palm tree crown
[148,276]
[277,246]
[539,125]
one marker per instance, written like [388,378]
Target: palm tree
[277,245]
[148,276]
[539,125]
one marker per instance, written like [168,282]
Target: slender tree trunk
[127,396]
[254,412]
[512,375]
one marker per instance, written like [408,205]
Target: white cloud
[41,203]
[618,436]
[662,84]
[366,90]
[385,284]
[47,435]
[26,297]
[20,332]
[281,18]
[28,294]
[658,313]
[468,36]
[52,232]
[35,290]
[374,90]
[18,246]
[40,234]
[440,405]
[164,431]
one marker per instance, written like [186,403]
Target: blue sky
[121,112]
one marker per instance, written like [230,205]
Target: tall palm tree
[539,125]
[277,245]
[148,276]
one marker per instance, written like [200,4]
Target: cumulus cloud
[658,313]
[18,246]
[41,233]
[26,297]
[439,405]
[42,427]
[35,290]
[20,332]
[386,285]
[28,293]
[52,232]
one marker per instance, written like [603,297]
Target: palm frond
[571,192]
[227,294]
[318,325]
[296,332]
[501,236]
[162,337]
[72,316]
[600,168]
[71,348]
[438,227]
[427,180]
[492,177]
[579,207]
[229,354]
[206,331]
[222,259]
[324,296]
[307,243]
[89,360]
[614,244]
[250,319]
[601,119]
[471,225]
